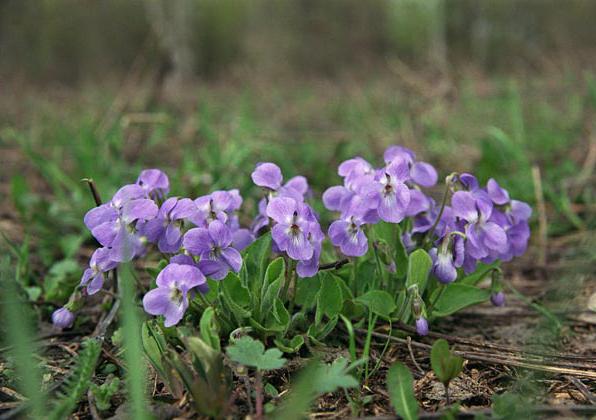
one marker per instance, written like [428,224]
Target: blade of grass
[135,360]
[20,334]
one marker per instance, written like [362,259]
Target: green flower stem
[372,319]
[446,195]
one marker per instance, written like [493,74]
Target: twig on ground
[581,387]
[511,349]
[566,410]
[581,371]
[412,355]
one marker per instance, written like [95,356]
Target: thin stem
[382,274]
[259,394]
[292,289]
[336,265]
[447,398]
[434,302]
[94,191]
[248,392]
[366,351]
[446,193]
[387,342]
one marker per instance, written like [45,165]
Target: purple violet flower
[267,175]
[391,193]
[310,267]
[447,258]
[498,299]
[293,224]
[99,264]
[164,229]
[114,224]
[62,318]
[154,182]
[170,298]
[482,236]
[422,326]
[219,205]
[347,234]
[213,245]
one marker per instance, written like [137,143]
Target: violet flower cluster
[202,238]
[296,231]
[478,224]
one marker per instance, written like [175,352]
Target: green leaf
[209,328]
[334,376]
[255,259]
[274,278]
[290,346]
[419,265]
[386,232]
[307,290]
[401,255]
[317,332]
[481,271]
[250,352]
[445,364]
[458,296]
[61,279]
[378,301]
[330,298]
[236,296]
[400,386]
[281,314]
[275,270]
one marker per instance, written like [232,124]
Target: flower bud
[422,326]
[498,299]
[63,318]
[417,307]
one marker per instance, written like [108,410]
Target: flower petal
[463,204]
[127,193]
[267,175]
[140,208]
[424,174]
[197,241]
[281,209]
[95,284]
[156,301]
[232,257]
[101,214]
[499,195]
[298,248]
[220,234]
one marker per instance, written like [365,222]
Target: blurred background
[206,88]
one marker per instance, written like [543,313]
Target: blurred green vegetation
[72,41]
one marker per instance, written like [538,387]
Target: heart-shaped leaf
[445,364]
[330,300]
